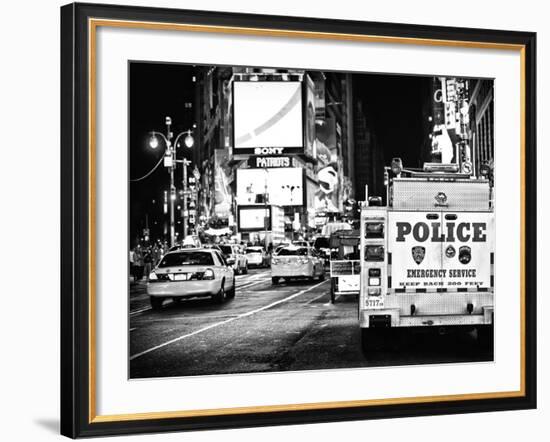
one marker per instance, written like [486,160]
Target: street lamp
[170,162]
[189,140]
[153,142]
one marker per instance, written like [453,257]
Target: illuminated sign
[269,150]
[267,162]
[254,218]
[267,114]
[282,186]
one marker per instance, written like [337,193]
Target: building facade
[272,137]
[482,122]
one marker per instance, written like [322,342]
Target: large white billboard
[283,186]
[251,218]
[267,114]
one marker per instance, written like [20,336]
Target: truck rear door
[414,260]
[467,252]
[440,251]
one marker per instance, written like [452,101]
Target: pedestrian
[156,254]
[147,261]
[133,264]
[138,260]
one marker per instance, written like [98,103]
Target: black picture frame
[77,251]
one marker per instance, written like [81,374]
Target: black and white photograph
[283,219]
[274,221]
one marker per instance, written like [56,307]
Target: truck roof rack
[432,170]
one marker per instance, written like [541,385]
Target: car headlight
[274,261]
[153,276]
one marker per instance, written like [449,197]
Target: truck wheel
[156,303]
[485,336]
[372,340]
[275,280]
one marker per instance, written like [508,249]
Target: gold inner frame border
[93,24]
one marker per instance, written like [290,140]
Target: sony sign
[269,150]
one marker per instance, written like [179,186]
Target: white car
[190,273]
[293,262]
[190,242]
[235,257]
[256,256]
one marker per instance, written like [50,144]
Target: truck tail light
[374,253]
[374,281]
[374,291]
[374,230]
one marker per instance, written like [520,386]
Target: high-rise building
[481,109]
[369,158]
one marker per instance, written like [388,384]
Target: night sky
[156,91]
[393,105]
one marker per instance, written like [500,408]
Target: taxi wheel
[220,296]
[230,294]
[156,303]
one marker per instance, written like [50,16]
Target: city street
[292,326]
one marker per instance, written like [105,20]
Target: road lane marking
[315,299]
[137,312]
[245,286]
[253,276]
[227,321]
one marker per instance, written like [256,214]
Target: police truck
[427,254]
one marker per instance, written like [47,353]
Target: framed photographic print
[279,220]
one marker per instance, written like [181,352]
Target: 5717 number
[375,303]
